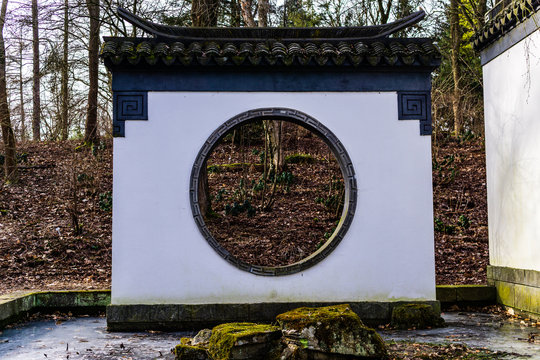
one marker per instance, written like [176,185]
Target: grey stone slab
[531,278]
[446,294]
[372,311]
[190,317]
[505,293]
[165,313]
[476,293]
[512,275]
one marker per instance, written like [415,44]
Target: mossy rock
[184,351]
[332,330]
[244,341]
[417,316]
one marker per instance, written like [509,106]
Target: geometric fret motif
[128,105]
[416,105]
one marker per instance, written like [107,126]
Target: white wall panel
[159,255]
[512,112]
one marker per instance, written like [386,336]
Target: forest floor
[55,223]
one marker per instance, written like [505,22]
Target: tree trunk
[91,134]
[480,16]
[135,7]
[203,192]
[64,126]
[273,128]
[384,11]
[455,34]
[10,161]
[247,15]
[235,13]
[204,14]
[36,110]
[21,90]
[264,8]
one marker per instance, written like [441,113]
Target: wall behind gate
[159,255]
[512,112]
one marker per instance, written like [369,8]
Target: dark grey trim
[128,105]
[177,317]
[510,39]
[416,105]
[297,80]
[329,138]
[130,88]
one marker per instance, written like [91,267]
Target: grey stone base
[196,317]
[17,306]
[466,295]
[516,288]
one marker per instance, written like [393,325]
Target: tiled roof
[154,52]
[504,16]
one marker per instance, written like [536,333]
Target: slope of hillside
[55,224]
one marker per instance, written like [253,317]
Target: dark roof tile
[389,52]
[504,16]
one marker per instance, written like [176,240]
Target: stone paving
[87,338]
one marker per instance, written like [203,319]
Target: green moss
[299,159]
[418,316]
[183,351]
[303,317]
[334,329]
[226,336]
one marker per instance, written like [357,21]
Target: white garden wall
[160,257]
[512,117]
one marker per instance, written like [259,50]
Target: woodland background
[56,117]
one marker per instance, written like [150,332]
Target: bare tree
[36,110]
[247,13]
[91,133]
[64,123]
[10,161]
[264,9]
[21,87]
[204,13]
[455,38]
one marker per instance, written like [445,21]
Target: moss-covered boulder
[333,330]
[187,351]
[240,341]
[417,316]
[202,338]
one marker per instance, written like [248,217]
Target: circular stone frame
[339,152]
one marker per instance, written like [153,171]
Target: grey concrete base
[466,295]
[194,317]
[16,306]
[517,288]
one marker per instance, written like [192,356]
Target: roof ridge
[284,33]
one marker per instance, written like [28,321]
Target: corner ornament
[416,105]
[128,105]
